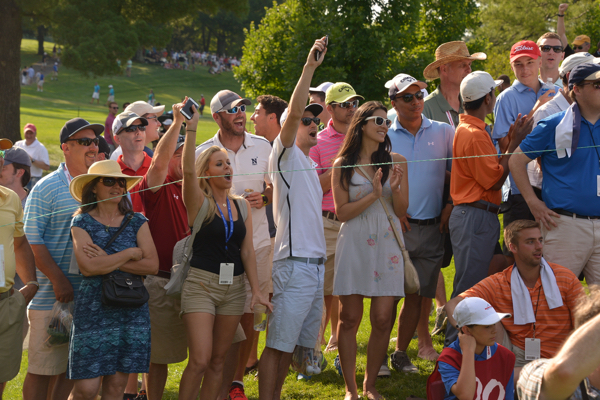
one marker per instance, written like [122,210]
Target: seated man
[541,297]
[464,364]
[575,367]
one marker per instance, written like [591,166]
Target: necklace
[112,219]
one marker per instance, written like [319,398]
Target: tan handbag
[411,277]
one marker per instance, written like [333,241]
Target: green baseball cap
[340,92]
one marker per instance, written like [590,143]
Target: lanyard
[450,120]
[228,229]
[594,142]
[536,309]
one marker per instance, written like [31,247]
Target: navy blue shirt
[570,183]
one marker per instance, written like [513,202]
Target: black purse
[123,289]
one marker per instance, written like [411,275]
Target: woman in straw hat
[211,310]
[107,341]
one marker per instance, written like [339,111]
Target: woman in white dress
[368,261]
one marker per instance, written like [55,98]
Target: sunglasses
[85,141]
[307,121]
[379,121]
[115,108]
[578,47]
[133,128]
[348,104]
[546,49]
[595,84]
[151,117]
[409,97]
[110,182]
[234,110]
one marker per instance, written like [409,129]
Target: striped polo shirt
[48,214]
[329,142]
[552,327]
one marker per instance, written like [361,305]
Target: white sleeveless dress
[368,260]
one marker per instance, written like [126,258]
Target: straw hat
[446,53]
[106,168]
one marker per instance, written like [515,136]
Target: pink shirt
[329,142]
[108,126]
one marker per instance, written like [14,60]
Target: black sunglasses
[348,104]
[133,128]
[110,182]
[307,121]
[379,121]
[85,141]
[546,49]
[409,97]
[578,47]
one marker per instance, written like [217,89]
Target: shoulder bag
[411,277]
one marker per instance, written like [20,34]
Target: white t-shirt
[297,198]
[115,154]
[38,152]
[252,158]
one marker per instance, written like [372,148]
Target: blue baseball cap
[584,72]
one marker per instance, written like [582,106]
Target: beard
[229,127]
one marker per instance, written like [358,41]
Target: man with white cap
[300,243]
[567,144]
[476,179]
[249,155]
[151,114]
[474,363]
[317,95]
[418,138]
[541,297]
[37,152]
[341,102]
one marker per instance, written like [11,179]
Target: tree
[93,33]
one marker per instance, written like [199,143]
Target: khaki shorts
[331,229]
[264,267]
[169,340]
[12,315]
[201,293]
[43,360]
[519,353]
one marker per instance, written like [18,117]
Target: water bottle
[549,85]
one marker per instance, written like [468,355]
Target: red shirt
[167,218]
[135,196]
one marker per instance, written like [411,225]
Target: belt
[317,261]
[330,215]
[7,294]
[494,209]
[570,214]
[420,222]
[163,274]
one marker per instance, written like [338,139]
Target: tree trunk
[139,55]
[10,70]
[221,42]
[40,37]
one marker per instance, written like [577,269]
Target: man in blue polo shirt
[524,97]
[566,143]
[418,138]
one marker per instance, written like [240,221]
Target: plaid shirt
[530,382]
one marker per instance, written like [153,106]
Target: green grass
[69,97]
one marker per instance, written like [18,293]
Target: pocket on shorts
[282,273]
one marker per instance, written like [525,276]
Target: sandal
[331,346]
[252,368]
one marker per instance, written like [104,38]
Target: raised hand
[396,177]
[377,187]
[318,46]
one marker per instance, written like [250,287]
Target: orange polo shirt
[552,327]
[472,177]
[136,199]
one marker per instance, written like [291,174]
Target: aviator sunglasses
[110,182]
[409,97]
[306,121]
[347,104]
[85,141]
[379,121]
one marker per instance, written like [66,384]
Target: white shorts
[96,95]
[297,304]
[111,98]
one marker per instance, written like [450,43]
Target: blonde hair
[202,165]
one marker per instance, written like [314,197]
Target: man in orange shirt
[541,297]
[476,179]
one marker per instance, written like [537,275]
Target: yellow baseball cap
[581,39]
[340,92]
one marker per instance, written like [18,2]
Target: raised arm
[300,95]
[560,24]
[157,173]
[192,195]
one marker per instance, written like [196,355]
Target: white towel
[522,305]
[563,135]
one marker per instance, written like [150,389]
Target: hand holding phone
[318,53]
[187,111]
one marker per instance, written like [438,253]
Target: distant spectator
[113,109]
[44,60]
[202,104]
[40,83]
[151,98]
[96,94]
[111,93]
[24,80]
[505,83]
[54,72]
[37,152]
[31,74]
[128,68]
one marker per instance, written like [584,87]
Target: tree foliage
[370,41]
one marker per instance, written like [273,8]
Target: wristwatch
[265,200]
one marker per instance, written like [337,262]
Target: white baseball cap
[321,88]
[110,86]
[400,83]
[576,59]
[476,311]
[141,107]
[476,85]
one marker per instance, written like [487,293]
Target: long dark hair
[89,201]
[352,142]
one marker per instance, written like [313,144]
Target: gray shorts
[425,244]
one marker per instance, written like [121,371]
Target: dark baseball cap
[17,155]
[180,142]
[103,147]
[584,72]
[75,125]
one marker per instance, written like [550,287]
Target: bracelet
[265,199]
[560,15]
[190,130]
[36,283]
